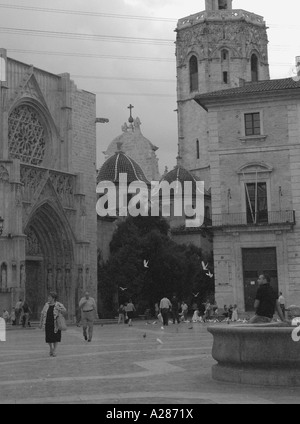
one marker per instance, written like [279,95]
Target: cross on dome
[130,120]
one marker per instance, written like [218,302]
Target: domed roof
[118,164]
[137,147]
[181,175]
[131,136]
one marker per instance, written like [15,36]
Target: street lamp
[1,225]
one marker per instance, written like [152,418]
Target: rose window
[26,136]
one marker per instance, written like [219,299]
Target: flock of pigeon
[204,266]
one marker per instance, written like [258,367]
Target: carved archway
[49,258]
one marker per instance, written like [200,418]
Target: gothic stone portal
[49,260]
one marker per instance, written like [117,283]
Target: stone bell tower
[216,49]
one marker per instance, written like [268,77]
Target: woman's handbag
[61,322]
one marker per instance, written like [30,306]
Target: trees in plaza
[145,264]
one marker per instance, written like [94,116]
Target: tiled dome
[181,175]
[118,164]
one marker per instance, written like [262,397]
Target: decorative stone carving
[4,174]
[64,186]
[49,279]
[68,281]
[80,280]
[27,138]
[18,196]
[33,247]
[34,180]
[22,276]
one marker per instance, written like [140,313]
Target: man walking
[165,306]
[266,302]
[88,308]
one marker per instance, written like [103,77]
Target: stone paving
[142,364]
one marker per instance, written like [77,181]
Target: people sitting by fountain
[225,313]
[230,310]
[196,316]
[235,316]
[266,302]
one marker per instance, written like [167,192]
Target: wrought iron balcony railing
[242,219]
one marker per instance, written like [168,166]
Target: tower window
[224,54]
[254,68]
[198,149]
[225,77]
[222,4]
[194,83]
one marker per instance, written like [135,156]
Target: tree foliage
[171,267]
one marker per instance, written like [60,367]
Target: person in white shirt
[88,308]
[165,306]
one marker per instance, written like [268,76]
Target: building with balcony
[254,149]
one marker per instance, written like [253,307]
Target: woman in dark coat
[48,321]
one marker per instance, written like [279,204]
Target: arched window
[225,65]
[222,4]
[224,55]
[198,149]
[194,83]
[3,276]
[254,68]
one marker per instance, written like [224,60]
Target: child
[234,313]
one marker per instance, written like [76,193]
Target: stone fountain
[258,354]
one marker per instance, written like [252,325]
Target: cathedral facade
[47,187]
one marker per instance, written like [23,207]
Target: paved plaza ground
[142,364]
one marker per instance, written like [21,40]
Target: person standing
[175,309]
[266,302]
[281,301]
[18,308]
[13,316]
[129,309]
[26,311]
[184,311]
[165,306]
[88,308]
[48,321]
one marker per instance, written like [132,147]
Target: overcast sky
[120,70]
